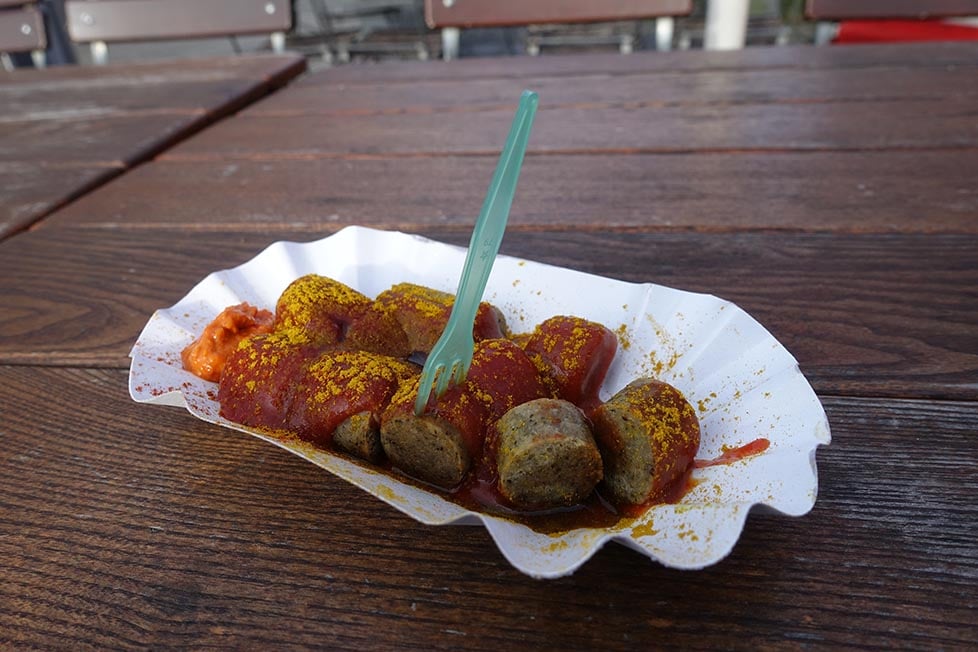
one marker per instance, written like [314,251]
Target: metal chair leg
[825,31]
[278,42]
[726,24]
[100,52]
[664,29]
[626,45]
[449,43]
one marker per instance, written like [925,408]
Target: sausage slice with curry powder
[321,307]
[344,392]
[648,434]
[574,355]
[423,313]
[440,445]
[545,455]
[256,388]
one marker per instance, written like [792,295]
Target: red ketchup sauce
[735,454]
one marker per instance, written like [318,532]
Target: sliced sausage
[256,387]
[648,434]
[359,435]
[440,445]
[574,355]
[339,384]
[431,447]
[502,376]
[545,455]
[423,313]
[320,306]
[378,331]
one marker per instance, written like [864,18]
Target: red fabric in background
[889,31]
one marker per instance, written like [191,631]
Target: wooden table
[829,192]
[69,129]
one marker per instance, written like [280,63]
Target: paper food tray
[743,382]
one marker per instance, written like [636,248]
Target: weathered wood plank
[836,10]
[309,95]
[210,537]
[111,118]
[268,67]
[867,315]
[118,140]
[151,87]
[29,105]
[871,125]
[515,12]
[30,190]
[793,191]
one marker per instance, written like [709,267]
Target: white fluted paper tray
[743,382]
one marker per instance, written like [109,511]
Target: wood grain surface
[829,192]
[164,531]
[623,143]
[31,189]
[674,129]
[843,192]
[661,88]
[90,120]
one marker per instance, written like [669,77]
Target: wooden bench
[452,15]
[100,22]
[21,30]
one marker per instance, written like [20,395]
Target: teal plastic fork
[451,356]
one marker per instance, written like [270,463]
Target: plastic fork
[451,356]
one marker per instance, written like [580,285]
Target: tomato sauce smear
[735,454]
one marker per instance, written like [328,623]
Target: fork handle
[488,232]
[486,237]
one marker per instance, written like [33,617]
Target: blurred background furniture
[372,29]
[453,15]
[330,32]
[21,32]
[100,22]
[866,21]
